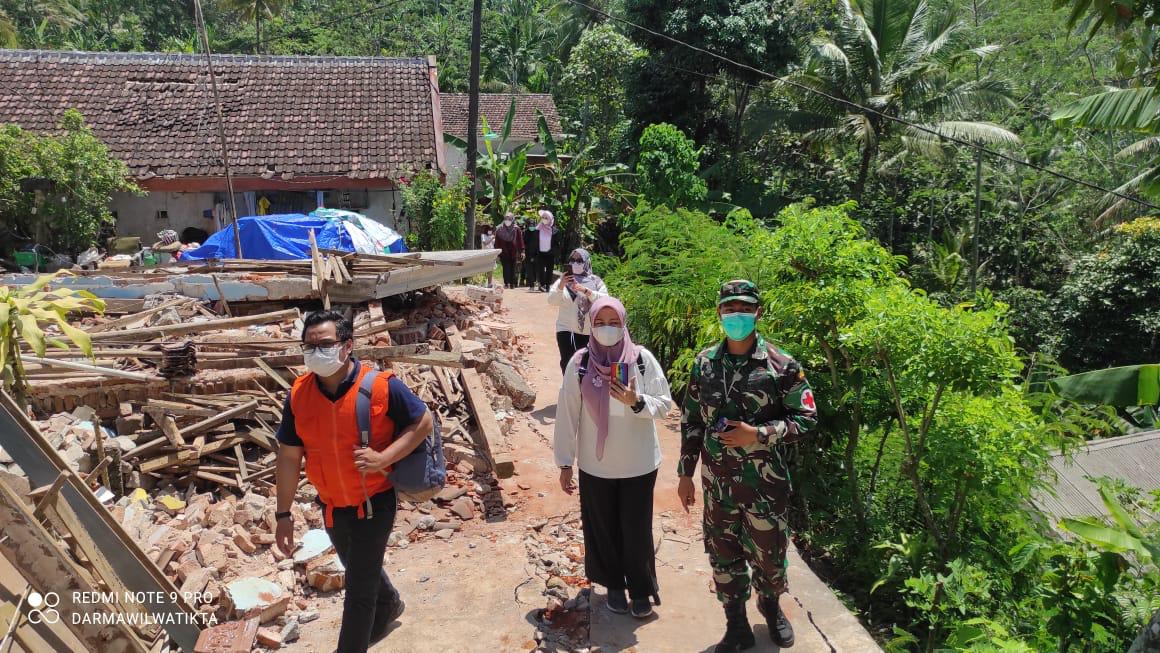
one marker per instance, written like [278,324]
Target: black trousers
[529,269]
[361,545]
[569,343]
[618,546]
[545,260]
[509,272]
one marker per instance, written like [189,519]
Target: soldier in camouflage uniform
[746,399]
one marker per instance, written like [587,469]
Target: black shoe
[641,608]
[738,633]
[780,630]
[384,620]
[617,602]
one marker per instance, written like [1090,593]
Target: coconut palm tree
[1132,110]
[517,48]
[254,10]
[896,58]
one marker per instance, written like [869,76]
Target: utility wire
[867,110]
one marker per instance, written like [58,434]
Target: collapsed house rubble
[170,430]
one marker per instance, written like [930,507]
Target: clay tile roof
[494,107]
[307,116]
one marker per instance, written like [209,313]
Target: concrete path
[471,593]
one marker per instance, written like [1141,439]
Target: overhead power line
[863,109]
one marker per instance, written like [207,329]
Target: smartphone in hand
[620,372]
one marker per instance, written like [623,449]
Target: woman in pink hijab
[611,395]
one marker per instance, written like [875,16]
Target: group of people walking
[745,401]
[528,250]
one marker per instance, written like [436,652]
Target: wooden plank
[263,438]
[31,549]
[85,367]
[270,372]
[169,427]
[179,409]
[221,296]
[188,457]
[139,319]
[217,478]
[489,432]
[435,359]
[50,495]
[198,327]
[210,422]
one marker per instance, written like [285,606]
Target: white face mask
[508,222]
[577,268]
[609,336]
[324,361]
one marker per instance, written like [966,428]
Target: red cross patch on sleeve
[808,399]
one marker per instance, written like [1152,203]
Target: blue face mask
[738,326]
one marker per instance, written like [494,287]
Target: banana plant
[1134,388]
[504,176]
[571,184]
[26,311]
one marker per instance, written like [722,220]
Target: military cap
[738,290]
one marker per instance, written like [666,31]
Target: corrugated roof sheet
[358,117]
[1134,459]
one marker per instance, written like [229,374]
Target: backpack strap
[363,407]
[582,367]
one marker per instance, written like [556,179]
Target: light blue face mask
[738,326]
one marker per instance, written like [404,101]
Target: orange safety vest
[329,432]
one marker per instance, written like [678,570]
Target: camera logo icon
[43,608]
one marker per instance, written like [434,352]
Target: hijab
[588,280]
[505,233]
[595,387]
[546,230]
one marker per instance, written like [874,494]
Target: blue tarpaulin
[278,237]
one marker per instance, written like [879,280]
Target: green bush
[83,175]
[667,167]
[1108,306]
[435,214]
[915,489]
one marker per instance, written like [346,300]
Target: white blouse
[631,448]
[566,319]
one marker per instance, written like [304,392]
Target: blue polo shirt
[404,410]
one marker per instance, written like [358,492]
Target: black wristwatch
[283,515]
[639,405]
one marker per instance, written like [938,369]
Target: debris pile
[555,549]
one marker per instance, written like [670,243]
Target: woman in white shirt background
[607,428]
[575,293]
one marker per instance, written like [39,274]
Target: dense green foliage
[83,178]
[667,167]
[915,492]
[1108,307]
[434,213]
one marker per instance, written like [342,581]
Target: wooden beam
[273,374]
[133,320]
[85,367]
[31,548]
[50,493]
[489,432]
[211,422]
[187,328]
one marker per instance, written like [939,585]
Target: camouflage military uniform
[746,490]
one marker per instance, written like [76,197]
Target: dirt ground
[474,592]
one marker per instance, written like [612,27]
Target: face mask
[608,336]
[738,326]
[508,223]
[324,361]
[577,268]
